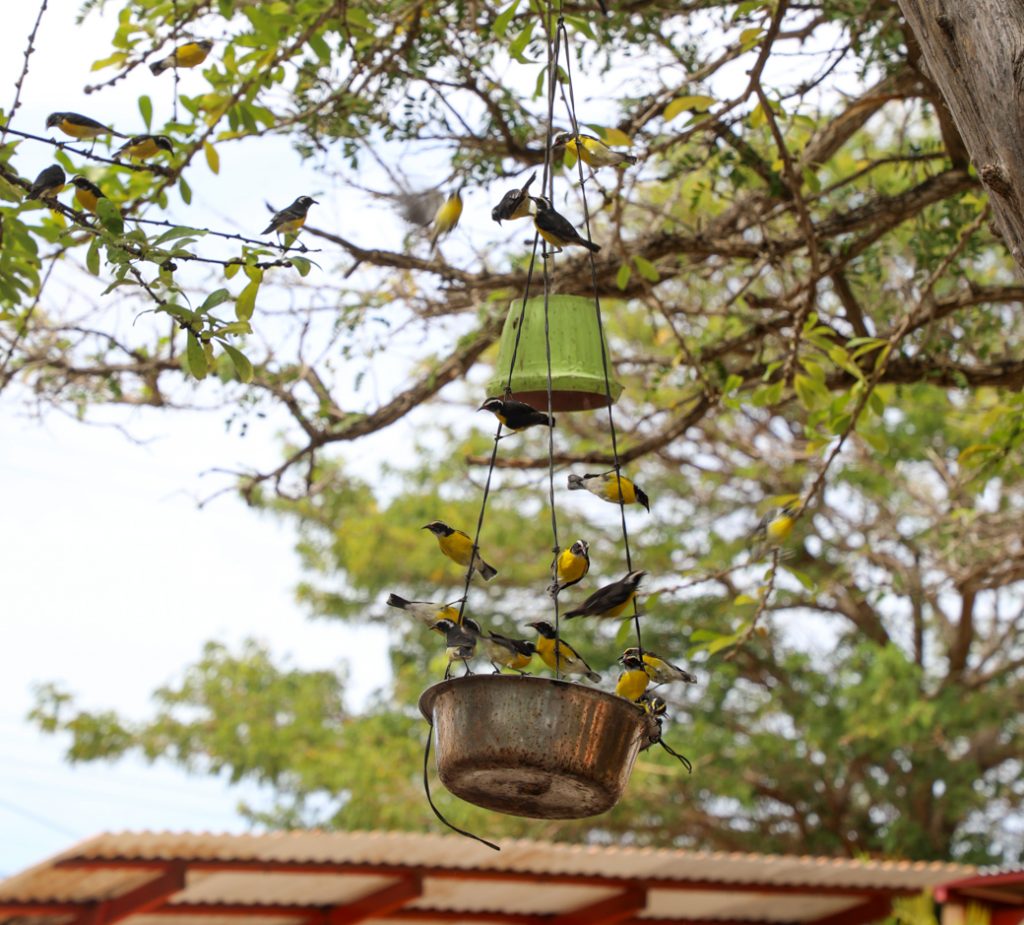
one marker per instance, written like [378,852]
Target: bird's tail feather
[395,601]
[487,572]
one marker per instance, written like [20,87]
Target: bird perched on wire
[446,217]
[661,670]
[48,184]
[460,642]
[516,415]
[291,218]
[558,654]
[427,612]
[514,204]
[571,566]
[458,547]
[78,126]
[87,193]
[141,147]
[592,151]
[191,54]
[607,488]
[556,229]
[610,601]
[504,652]
[634,679]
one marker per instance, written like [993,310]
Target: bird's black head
[438,528]
[472,626]
[634,578]
[632,651]
[164,143]
[631,662]
[544,628]
[205,44]
[541,202]
[304,202]
[560,140]
[494,405]
[443,626]
[83,184]
[55,118]
[580,548]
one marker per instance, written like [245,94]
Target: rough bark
[974,52]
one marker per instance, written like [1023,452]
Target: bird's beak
[425,527]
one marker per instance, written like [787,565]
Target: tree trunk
[974,52]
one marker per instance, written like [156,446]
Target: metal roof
[333,878]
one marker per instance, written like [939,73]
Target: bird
[427,612]
[141,147]
[191,54]
[50,181]
[610,601]
[516,415]
[661,670]
[556,229]
[290,219]
[634,679]
[78,126]
[592,151]
[774,528]
[458,547]
[87,193]
[653,705]
[504,652]
[558,654]
[514,204]
[446,217]
[416,207]
[604,485]
[571,565]
[460,642]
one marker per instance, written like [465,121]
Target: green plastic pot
[577,376]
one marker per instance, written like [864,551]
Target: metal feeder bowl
[577,375]
[534,746]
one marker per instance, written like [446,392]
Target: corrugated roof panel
[277,888]
[509,896]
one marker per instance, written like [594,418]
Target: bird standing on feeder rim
[556,229]
[591,150]
[604,486]
[48,184]
[427,612]
[141,147]
[610,601]
[634,679]
[78,126]
[514,204]
[661,670]
[458,547]
[559,655]
[87,194]
[446,217]
[571,566]
[460,642]
[191,54]
[516,415]
[503,652]
[291,218]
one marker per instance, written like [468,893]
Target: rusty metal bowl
[534,746]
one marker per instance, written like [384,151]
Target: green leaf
[520,42]
[245,304]
[176,233]
[301,264]
[146,110]
[697,103]
[214,299]
[92,257]
[231,270]
[243,367]
[212,157]
[646,269]
[503,19]
[623,276]
[185,190]
[110,216]
[196,357]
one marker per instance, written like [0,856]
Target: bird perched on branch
[427,612]
[446,217]
[48,184]
[607,488]
[572,565]
[290,219]
[775,527]
[610,601]
[141,147]
[191,54]
[87,193]
[592,151]
[558,654]
[556,229]
[661,670]
[458,547]
[634,679]
[504,652]
[460,641]
[514,204]
[78,126]
[516,415]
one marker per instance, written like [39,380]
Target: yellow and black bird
[87,193]
[572,565]
[191,54]
[775,527]
[606,488]
[610,601]
[633,681]
[458,547]
[446,217]
[48,184]
[558,654]
[661,670]
[427,612]
[653,705]
[556,229]
[504,652]
[78,126]
[290,219]
[514,204]
[592,151]
[460,642]
[516,415]
[143,147]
